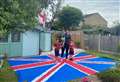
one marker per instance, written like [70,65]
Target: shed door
[45,41]
[15,45]
[30,43]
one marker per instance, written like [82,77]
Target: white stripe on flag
[47,77]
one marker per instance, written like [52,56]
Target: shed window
[4,39]
[15,37]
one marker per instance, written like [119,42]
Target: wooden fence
[102,43]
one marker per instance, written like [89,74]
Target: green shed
[25,44]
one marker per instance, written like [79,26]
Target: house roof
[92,14]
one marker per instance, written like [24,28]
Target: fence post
[82,43]
[99,42]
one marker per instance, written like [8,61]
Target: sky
[109,9]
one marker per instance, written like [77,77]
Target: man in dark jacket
[67,38]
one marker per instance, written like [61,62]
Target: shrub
[112,75]
[77,43]
[118,49]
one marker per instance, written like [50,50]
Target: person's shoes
[71,59]
[66,57]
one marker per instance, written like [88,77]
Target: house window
[15,37]
[4,39]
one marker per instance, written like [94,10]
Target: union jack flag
[42,17]
[45,69]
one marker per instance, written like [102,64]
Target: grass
[112,56]
[112,75]
[6,74]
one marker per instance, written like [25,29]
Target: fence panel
[91,42]
[103,43]
[109,43]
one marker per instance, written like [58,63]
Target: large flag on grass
[45,69]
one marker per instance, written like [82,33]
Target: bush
[118,49]
[77,43]
[112,75]
[7,74]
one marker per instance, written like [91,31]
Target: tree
[88,29]
[56,25]
[53,9]
[70,17]
[116,29]
[20,15]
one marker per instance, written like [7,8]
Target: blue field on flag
[81,54]
[41,57]
[65,74]
[30,74]
[46,69]
[98,67]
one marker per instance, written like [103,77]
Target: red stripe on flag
[54,58]
[81,67]
[51,56]
[49,72]
[25,66]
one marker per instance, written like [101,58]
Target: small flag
[42,17]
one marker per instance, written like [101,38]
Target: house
[25,44]
[95,20]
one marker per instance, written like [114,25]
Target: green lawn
[112,56]
[6,74]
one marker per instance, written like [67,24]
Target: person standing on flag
[65,47]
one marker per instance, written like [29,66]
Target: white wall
[30,43]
